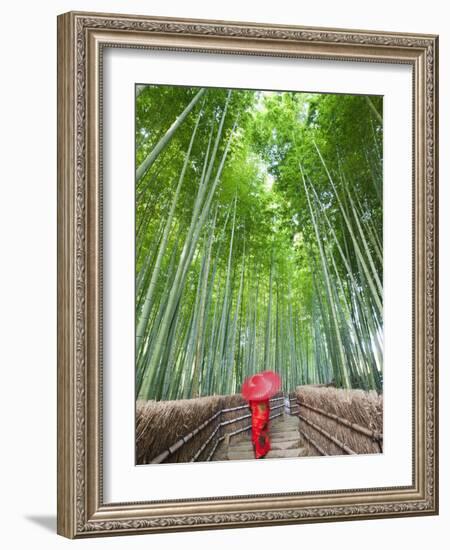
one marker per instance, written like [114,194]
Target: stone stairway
[285,441]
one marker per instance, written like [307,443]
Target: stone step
[276,445]
[249,455]
[284,435]
[288,429]
[283,442]
[283,425]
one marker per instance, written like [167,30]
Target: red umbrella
[261,386]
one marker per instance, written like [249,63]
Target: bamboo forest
[259,239]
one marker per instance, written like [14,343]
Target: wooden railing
[220,431]
[295,409]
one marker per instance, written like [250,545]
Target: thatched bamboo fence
[190,430]
[332,422]
[337,421]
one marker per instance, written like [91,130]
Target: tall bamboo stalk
[153,155]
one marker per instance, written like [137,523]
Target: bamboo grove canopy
[258,239]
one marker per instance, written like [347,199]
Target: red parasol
[261,386]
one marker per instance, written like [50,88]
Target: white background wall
[28,270]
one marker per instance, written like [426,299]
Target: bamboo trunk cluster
[211,307]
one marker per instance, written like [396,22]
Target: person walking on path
[260,425]
[257,390]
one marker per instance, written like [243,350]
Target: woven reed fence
[337,421]
[190,430]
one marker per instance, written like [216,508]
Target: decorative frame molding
[81,37]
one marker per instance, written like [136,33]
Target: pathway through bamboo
[285,441]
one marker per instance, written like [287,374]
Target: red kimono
[260,425]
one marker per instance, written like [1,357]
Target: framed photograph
[247,274]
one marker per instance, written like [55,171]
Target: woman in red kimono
[260,424]
[258,389]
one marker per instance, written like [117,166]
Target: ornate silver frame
[81,510]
